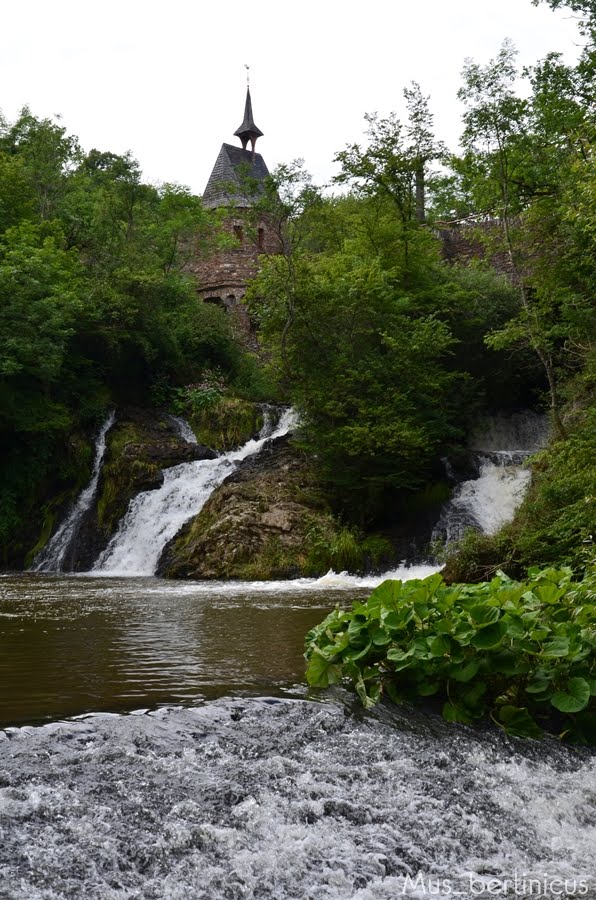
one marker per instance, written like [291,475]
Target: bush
[521,653]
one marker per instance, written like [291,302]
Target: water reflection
[70,644]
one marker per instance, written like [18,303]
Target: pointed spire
[248,131]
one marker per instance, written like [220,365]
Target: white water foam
[51,558]
[280,800]
[338,582]
[487,502]
[492,498]
[154,517]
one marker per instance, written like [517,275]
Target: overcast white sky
[166,80]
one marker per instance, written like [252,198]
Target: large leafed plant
[521,653]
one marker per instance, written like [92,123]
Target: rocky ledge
[268,520]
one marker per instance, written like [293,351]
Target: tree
[586,9]
[288,202]
[394,166]
[96,307]
[47,153]
[424,147]
[369,379]
[498,170]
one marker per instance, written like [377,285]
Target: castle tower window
[261,239]
[238,232]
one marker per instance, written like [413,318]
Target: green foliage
[40,289]
[341,551]
[374,367]
[379,343]
[527,170]
[371,381]
[96,305]
[586,9]
[522,653]
[558,515]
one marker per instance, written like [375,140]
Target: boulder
[263,522]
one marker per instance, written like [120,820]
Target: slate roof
[232,166]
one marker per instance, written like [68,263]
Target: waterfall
[183,429]
[155,517]
[51,558]
[486,502]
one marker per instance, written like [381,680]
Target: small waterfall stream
[154,517]
[488,501]
[183,429]
[53,555]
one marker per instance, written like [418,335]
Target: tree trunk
[420,192]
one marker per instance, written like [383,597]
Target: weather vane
[247,67]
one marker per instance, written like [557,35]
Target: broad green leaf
[454,714]
[427,689]
[515,627]
[574,698]
[470,696]
[397,621]
[489,637]
[320,673]
[557,647]
[507,663]
[353,655]
[439,646]
[396,654]
[465,673]
[518,721]
[539,683]
[380,637]
[485,615]
[548,593]
[387,593]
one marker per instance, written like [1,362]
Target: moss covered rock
[226,423]
[268,520]
[55,495]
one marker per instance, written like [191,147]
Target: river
[159,742]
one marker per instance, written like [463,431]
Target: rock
[227,423]
[261,523]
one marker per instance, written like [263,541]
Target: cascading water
[154,517]
[183,429]
[280,799]
[488,501]
[53,555]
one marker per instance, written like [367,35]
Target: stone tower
[234,187]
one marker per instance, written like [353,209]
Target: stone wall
[466,242]
[223,276]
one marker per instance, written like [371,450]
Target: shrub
[521,653]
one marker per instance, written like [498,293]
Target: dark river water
[159,742]
[70,645]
